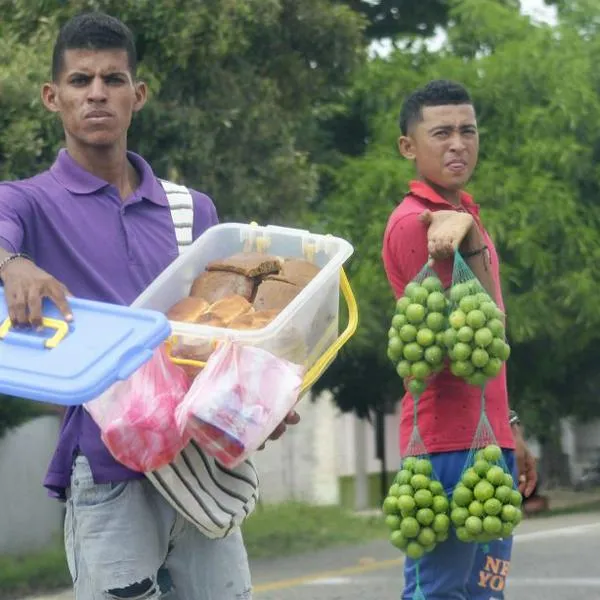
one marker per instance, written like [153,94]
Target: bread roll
[229,308]
[214,285]
[253,320]
[274,295]
[296,271]
[188,310]
[250,264]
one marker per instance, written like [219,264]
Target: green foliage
[536,94]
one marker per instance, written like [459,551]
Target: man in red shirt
[439,134]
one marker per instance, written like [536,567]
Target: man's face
[444,145]
[96,96]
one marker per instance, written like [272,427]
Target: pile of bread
[244,291]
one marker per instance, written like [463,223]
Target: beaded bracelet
[12,257]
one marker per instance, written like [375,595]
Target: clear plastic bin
[305,332]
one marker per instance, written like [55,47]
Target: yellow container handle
[62,329]
[325,359]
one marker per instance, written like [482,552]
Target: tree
[535,90]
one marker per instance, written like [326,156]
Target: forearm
[479,261]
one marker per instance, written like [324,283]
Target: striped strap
[215,499]
[181,204]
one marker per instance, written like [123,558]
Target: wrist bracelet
[513,418]
[473,253]
[12,257]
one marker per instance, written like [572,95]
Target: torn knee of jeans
[144,590]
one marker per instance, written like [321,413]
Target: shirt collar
[426,192]
[72,176]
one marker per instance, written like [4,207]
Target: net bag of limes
[485,503]
[417,507]
[416,336]
[475,336]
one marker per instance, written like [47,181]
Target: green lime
[390,506]
[495,475]
[509,513]
[481,467]
[425,337]
[435,321]
[436,488]
[459,515]
[461,351]
[479,357]
[441,536]
[440,504]
[492,525]
[405,489]
[434,355]
[416,387]
[476,508]
[488,308]
[441,523]
[483,491]
[392,332]
[507,530]
[462,533]
[464,334]
[420,482]
[409,463]
[413,352]
[516,499]
[423,466]
[497,328]
[461,368]
[436,302]
[483,337]
[508,481]
[394,490]
[462,495]
[468,303]
[414,550]
[406,503]
[423,498]
[475,319]
[432,284]
[420,370]
[470,478]
[474,525]
[458,291]
[402,304]
[426,537]
[403,476]
[397,539]
[415,313]
[503,493]
[492,507]
[393,522]
[425,516]
[410,527]
[403,369]
[457,319]
[493,367]
[407,333]
[449,338]
[395,347]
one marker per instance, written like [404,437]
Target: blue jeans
[120,536]
[456,570]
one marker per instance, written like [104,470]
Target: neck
[107,163]
[452,196]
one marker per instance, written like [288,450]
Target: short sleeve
[15,211]
[405,252]
[205,213]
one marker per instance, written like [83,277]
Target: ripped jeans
[118,536]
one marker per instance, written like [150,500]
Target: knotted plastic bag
[237,401]
[136,417]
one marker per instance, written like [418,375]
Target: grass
[272,531]
[293,528]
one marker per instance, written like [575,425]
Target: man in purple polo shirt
[97,225]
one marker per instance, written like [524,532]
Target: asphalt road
[553,559]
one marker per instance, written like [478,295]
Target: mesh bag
[475,335]
[417,507]
[416,335]
[486,504]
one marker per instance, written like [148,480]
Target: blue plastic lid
[71,363]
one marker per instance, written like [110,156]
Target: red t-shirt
[449,409]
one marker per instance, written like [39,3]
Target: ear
[50,97]
[406,146]
[141,95]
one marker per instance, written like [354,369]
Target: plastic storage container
[307,330]
[71,363]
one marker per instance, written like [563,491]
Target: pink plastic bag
[237,401]
[137,416]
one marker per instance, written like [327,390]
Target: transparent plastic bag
[475,336]
[237,401]
[136,417]
[415,338]
[417,506]
[486,502]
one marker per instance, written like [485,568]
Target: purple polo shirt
[75,226]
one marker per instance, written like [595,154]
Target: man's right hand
[25,287]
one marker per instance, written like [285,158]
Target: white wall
[29,520]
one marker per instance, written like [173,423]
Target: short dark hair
[93,31]
[440,92]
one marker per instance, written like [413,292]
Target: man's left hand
[292,418]
[526,464]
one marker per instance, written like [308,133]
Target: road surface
[553,559]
